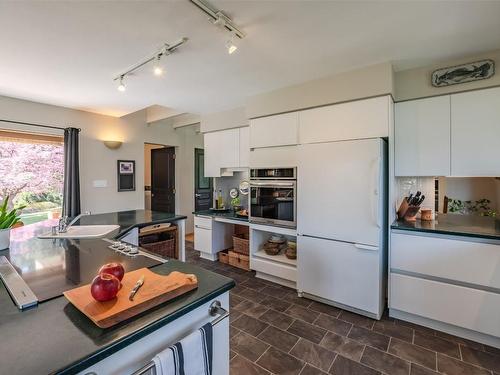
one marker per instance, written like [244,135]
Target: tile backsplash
[226,183]
[410,185]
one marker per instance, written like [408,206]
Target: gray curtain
[71,194]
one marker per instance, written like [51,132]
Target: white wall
[98,162]
[234,118]
[416,83]
[370,81]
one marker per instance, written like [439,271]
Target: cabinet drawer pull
[365,247]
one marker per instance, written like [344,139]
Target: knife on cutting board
[136,287]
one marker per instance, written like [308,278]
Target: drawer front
[473,309]
[203,240]
[271,268]
[203,222]
[468,262]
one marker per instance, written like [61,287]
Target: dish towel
[190,356]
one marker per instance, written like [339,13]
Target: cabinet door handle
[365,247]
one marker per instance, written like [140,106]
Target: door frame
[177,177]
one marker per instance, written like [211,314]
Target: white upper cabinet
[475,133]
[359,119]
[222,150]
[278,130]
[422,137]
[245,146]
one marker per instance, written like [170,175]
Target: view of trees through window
[31,174]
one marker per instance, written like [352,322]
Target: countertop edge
[445,232]
[95,357]
[145,224]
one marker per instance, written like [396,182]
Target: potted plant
[8,219]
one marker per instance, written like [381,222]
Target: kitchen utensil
[157,290]
[233,193]
[244,187]
[136,287]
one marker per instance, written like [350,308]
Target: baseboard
[447,328]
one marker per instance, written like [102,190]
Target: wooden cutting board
[156,290]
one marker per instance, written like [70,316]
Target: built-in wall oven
[273,196]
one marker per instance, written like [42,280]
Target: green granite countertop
[227,215]
[456,225]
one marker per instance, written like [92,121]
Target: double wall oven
[273,196]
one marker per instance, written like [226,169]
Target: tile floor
[275,332]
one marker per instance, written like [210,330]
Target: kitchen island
[54,337]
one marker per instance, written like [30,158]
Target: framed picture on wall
[126,175]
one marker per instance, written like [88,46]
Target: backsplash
[408,185]
[226,183]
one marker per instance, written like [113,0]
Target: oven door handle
[272,184]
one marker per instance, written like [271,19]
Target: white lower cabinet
[473,309]
[340,272]
[210,237]
[451,280]
[451,259]
[134,356]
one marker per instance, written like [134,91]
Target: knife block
[407,212]
[411,213]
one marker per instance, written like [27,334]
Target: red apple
[104,287]
[115,269]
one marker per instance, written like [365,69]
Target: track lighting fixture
[121,86]
[219,19]
[158,70]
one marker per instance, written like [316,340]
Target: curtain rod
[33,124]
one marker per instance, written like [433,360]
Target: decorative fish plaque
[463,73]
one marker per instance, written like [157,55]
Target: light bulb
[231,47]
[157,68]
[121,86]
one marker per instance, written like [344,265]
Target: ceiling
[68,52]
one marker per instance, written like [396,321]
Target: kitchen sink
[85,232]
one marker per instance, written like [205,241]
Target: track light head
[157,68]
[121,86]
[231,45]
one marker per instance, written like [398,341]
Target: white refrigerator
[342,224]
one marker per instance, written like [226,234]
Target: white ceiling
[67,53]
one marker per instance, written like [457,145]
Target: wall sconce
[112,145]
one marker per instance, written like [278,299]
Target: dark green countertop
[130,219]
[455,225]
[227,215]
[55,337]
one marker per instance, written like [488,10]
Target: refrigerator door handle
[374,194]
[365,247]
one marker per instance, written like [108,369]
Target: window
[31,173]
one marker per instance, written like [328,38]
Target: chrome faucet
[63,222]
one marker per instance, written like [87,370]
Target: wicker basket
[241,243]
[165,249]
[239,260]
[224,257]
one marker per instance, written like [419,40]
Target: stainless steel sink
[84,232]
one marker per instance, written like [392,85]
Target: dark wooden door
[202,185]
[163,179]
